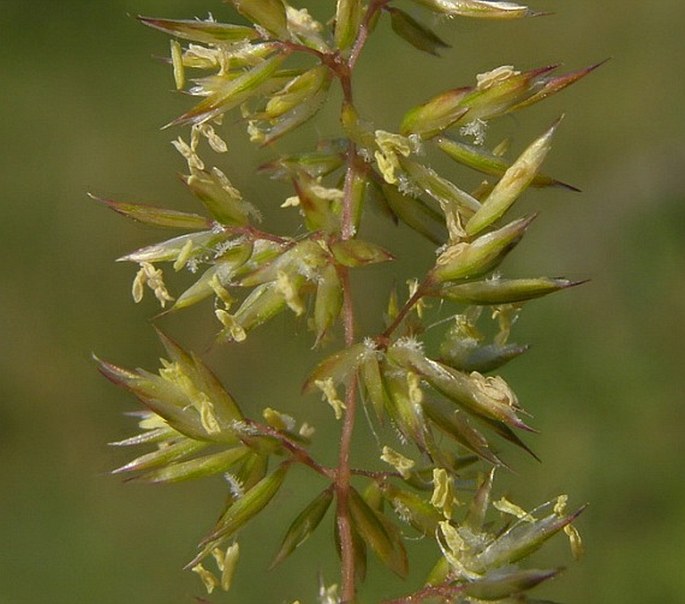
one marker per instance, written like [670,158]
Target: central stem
[344,468]
[343,69]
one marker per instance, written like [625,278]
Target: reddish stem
[445,592]
[363,35]
[420,292]
[342,487]
[299,453]
[343,70]
[344,473]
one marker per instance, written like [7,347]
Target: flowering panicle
[439,414]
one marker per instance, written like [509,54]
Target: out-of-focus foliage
[610,437]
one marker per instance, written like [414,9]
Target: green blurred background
[81,107]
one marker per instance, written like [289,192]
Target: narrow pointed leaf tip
[379,533]
[418,35]
[304,525]
[242,511]
[504,291]
[184,393]
[552,85]
[198,467]
[160,217]
[504,584]
[512,184]
[163,456]
[207,32]
[522,539]
[489,399]
[232,92]
[498,92]
[482,9]
[468,260]
[453,423]
[485,162]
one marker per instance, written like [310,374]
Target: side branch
[298,452]
[364,30]
[421,291]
